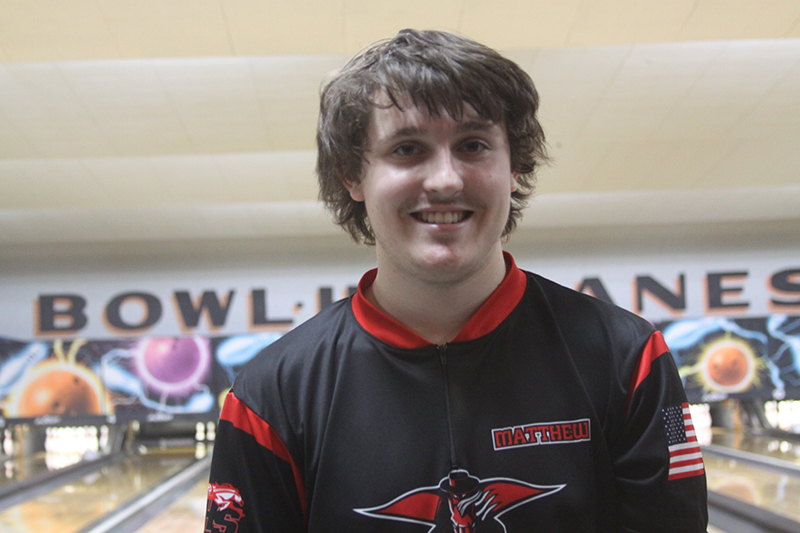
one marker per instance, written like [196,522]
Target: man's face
[437,191]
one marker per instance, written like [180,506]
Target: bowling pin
[93,445]
[8,442]
[102,441]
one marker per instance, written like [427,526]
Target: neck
[436,311]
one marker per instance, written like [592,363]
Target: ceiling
[125,125]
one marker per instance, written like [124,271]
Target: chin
[447,264]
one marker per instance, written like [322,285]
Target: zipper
[442,349]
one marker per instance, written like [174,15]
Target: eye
[407,149]
[474,146]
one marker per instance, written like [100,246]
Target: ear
[355,189]
[514,178]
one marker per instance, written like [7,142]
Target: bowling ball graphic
[729,366]
[173,365]
[171,360]
[55,388]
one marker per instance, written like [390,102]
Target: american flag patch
[685,459]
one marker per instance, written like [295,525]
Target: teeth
[443,218]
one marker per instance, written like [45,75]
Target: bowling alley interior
[160,224]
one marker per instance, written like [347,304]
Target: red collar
[488,316]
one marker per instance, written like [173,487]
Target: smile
[449,217]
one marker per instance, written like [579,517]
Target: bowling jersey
[551,411]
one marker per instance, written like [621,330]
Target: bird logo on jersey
[224,508]
[461,503]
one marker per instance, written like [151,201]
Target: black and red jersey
[550,411]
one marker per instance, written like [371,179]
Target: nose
[443,175]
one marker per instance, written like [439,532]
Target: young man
[454,392]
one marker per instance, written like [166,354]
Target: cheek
[498,187]
[390,189]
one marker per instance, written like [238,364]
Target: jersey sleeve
[658,464]
[255,484]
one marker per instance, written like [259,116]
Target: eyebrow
[470,125]
[476,125]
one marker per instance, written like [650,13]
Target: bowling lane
[77,504]
[774,447]
[766,488]
[187,513]
[18,468]
[64,449]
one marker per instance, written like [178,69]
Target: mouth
[439,217]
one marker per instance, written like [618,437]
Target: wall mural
[744,358]
[152,379]
[162,378]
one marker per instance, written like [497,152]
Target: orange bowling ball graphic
[58,386]
[729,366]
[59,391]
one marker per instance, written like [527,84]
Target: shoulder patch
[685,458]
[224,508]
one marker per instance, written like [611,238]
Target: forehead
[389,120]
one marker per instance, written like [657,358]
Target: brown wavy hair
[437,72]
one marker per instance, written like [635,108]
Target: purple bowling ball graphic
[171,360]
[173,366]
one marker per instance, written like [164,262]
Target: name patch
[541,433]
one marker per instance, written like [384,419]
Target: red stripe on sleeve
[655,348]
[242,417]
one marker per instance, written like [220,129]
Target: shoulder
[583,310]
[290,361]
[589,325]
[611,348]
